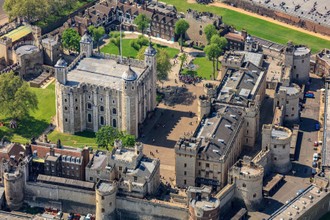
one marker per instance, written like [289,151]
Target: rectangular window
[185,173]
[207,165]
[185,165]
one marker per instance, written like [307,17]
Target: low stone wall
[131,208]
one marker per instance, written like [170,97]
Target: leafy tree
[16,98]
[70,40]
[142,22]
[209,31]
[106,136]
[213,52]
[29,10]
[181,26]
[115,39]
[183,58]
[221,42]
[97,34]
[138,43]
[163,62]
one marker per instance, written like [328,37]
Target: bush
[135,45]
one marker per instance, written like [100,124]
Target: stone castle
[97,90]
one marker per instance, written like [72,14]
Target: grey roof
[103,186]
[217,131]
[49,40]
[99,71]
[255,58]
[26,49]
[301,50]
[99,161]
[291,90]
[326,129]
[129,74]
[145,168]
[86,38]
[150,50]
[280,133]
[61,63]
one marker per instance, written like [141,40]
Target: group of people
[189,79]
[204,1]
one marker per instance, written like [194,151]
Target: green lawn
[256,26]
[38,120]
[129,51]
[204,70]
[78,140]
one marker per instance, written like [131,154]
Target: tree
[16,98]
[163,62]
[115,39]
[106,136]
[221,42]
[138,43]
[97,34]
[213,52]
[181,26]
[70,40]
[30,10]
[183,58]
[142,22]
[209,31]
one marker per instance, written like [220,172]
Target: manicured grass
[38,121]
[129,51]
[80,139]
[256,26]
[204,70]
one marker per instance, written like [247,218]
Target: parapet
[187,145]
[125,60]
[105,188]
[247,169]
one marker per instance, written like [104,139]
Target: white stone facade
[96,90]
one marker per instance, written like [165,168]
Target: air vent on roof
[215,151]
[228,126]
[233,116]
[221,140]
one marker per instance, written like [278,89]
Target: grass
[204,70]
[38,121]
[80,139]
[129,51]
[256,26]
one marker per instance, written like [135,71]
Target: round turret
[105,200]
[204,107]
[14,189]
[129,74]
[210,90]
[277,139]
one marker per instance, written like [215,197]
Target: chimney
[244,34]
[52,151]
[28,150]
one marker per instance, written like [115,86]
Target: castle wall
[65,198]
[132,208]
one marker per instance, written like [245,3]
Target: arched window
[114,111]
[114,123]
[89,116]
[244,185]
[102,120]
[102,108]
[89,105]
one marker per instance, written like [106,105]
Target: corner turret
[86,45]
[61,70]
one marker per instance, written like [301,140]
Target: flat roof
[326,129]
[18,33]
[301,51]
[65,182]
[99,71]
[280,133]
[105,186]
[26,49]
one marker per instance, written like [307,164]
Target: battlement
[105,188]
[17,174]
[125,60]
[5,40]
[247,169]
[187,145]
[203,98]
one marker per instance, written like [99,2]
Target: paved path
[222,5]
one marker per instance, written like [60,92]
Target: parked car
[309,95]
[317,126]
[315,157]
[313,171]
[316,143]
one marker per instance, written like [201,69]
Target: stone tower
[277,139]
[248,179]
[14,189]
[5,45]
[61,71]
[86,45]
[151,61]
[130,102]
[210,90]
[251,121]
[106,200]
[204,106]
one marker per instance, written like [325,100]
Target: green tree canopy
[30,10]
[115,39]
[106,136]
[163,62]
[16,98]
[142,22]
[209,31]
[70,40]
[213,52]
[97,34]
[221,43]
[138,43]
[181,27]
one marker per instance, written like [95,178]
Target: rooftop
[19,33]
[218,131]
[99,71]
[301,50]
[26,49]
[65,182]
[105,186]
[280,133]
[325,55]
[291,90]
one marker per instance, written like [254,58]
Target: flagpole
[121,45]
